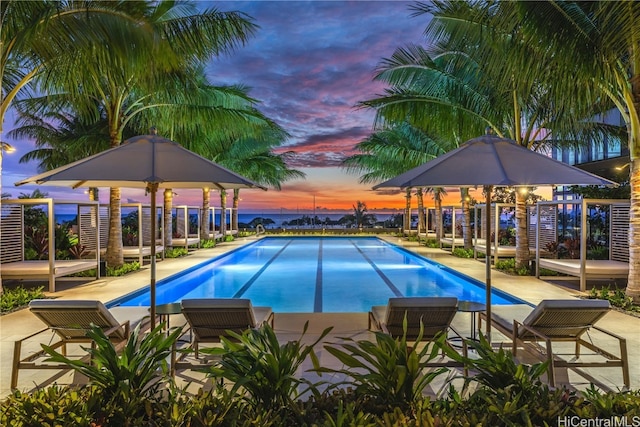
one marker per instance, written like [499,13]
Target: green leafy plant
[511,393]
[49,407]
[262,370]
[615,296]
[175,252]
[431,243]
[12,299]
[207,243]
[462,252]
[124,269]
[128,380]
[390,370]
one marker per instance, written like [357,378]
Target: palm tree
[595,46]
[263,167]
[473,72]
[36,36]
[392,151]
[126,79]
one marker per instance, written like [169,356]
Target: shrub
[462,252]
[509,266]
[175,252]
[49,407]
[127,267]
[207,243]
[128,382]
[12,299]
[616,297]
[432,243]
[262,370]
[390,370]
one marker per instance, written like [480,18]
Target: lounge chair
[209,319]
[69,320]
[434,313]
[561,320]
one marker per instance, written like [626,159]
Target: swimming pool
[317,274]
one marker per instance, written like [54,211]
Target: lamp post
[6,148]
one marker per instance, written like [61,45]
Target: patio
[289,326]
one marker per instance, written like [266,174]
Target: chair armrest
[517,324]
[611,334]
[34,334]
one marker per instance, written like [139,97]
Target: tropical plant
[473,70]
[128,379]
[263,371]
[49,407]
[597,48]
[392,371]
[123,81]
[392,151]
[18,297]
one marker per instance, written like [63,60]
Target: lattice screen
[620,217]
[547,225]
[89,225]
[11,244]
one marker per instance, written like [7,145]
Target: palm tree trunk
[223,214]
[633,128]
[204,222]
[114,256]
[407,210]
[633,284]
[234,212]
[522,237]
[466,218]
[168,218]
[422,227]
[93,194]
[437,198]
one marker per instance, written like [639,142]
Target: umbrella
[145,161]
[490,161]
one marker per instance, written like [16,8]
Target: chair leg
[172,368]
[625,363]
[551,367]
[17,349]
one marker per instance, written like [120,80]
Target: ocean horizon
[280,219]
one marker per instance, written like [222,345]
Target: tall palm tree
[41,35]
[127,78]
[392,151]
[596,48]
[459,75]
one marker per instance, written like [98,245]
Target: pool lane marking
[247,285]
[384,277]
[317,301]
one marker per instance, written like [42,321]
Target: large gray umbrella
[492,161]
[145,161]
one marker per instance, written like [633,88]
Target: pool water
[317,274]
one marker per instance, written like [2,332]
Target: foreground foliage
[264,388]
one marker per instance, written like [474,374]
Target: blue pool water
[317,274]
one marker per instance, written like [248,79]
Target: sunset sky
[309,64]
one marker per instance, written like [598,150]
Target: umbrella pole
[153,189]
[487,190]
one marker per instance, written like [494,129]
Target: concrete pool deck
[288,326]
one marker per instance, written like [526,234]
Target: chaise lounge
[433,313]
[68,321]
[561,320]
[209,319]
